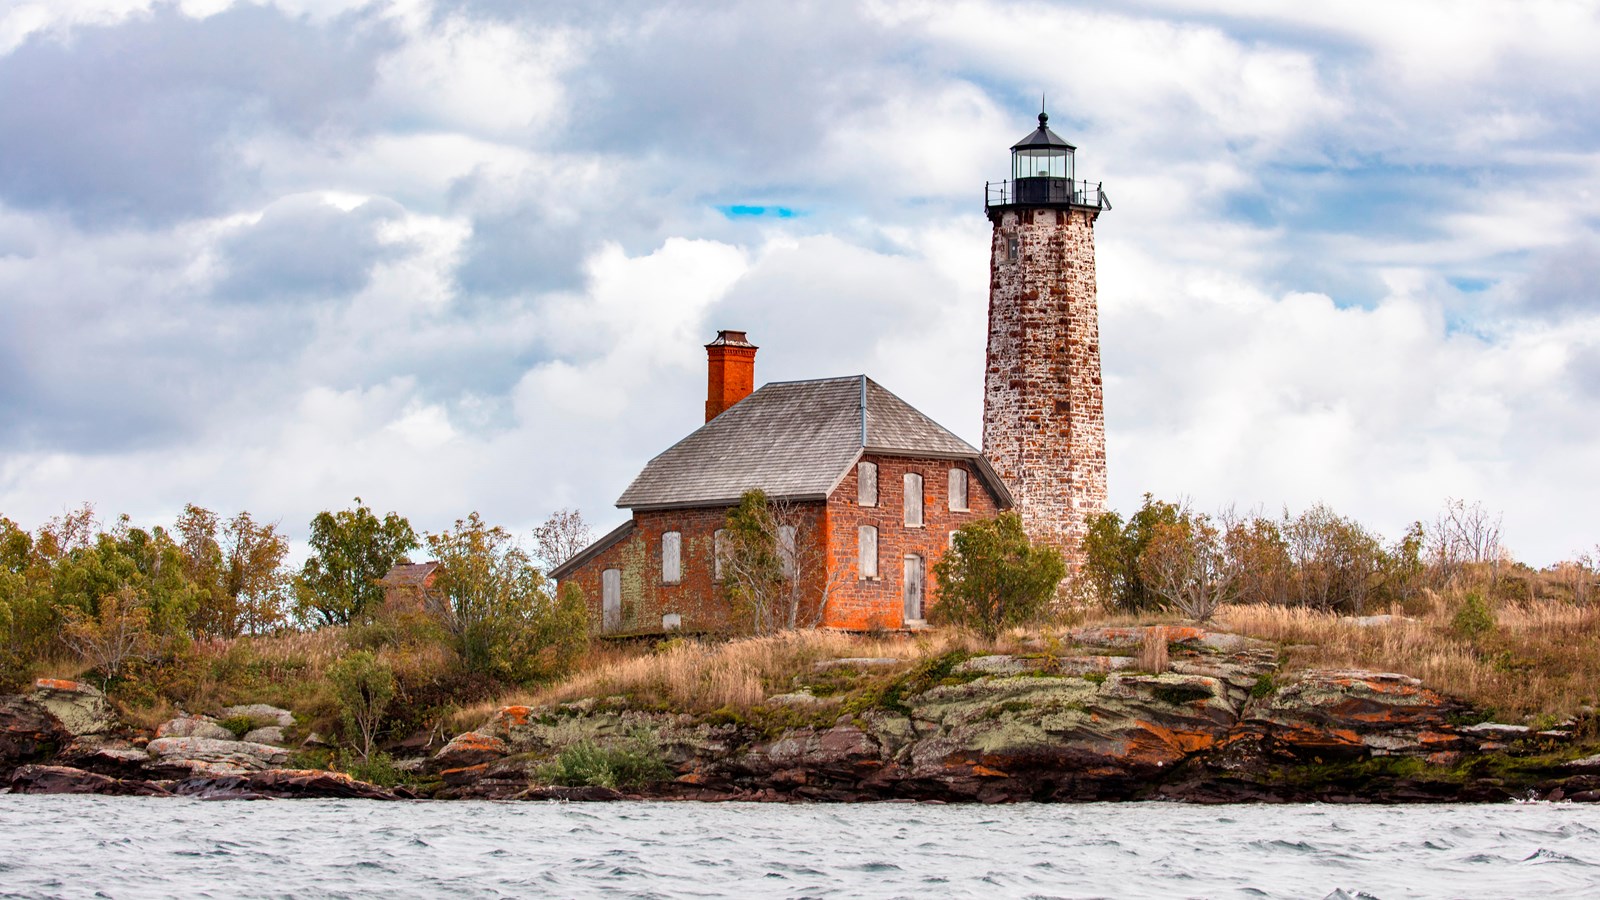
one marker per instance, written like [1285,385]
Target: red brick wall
[697,597]
[858,604]
[853,603]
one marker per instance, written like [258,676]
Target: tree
[117,633]
[993,577]
[1337,564]
[1185,564]
[1112,549]
[350,551]
[771,558]
[1463,533]
[560,538]
[255,582]
[1258,557]
[497,606]
[364,685]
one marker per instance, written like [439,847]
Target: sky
[459,256]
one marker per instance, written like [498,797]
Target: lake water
[139,847]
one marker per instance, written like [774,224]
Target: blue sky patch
[742,211]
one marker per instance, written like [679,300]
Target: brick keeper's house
[873,488]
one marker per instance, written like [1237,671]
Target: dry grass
[695,676]
[738,674]
[1540,662]
[1153,656]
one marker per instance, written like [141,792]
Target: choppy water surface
[138,847]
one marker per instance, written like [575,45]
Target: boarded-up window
[913,500]
[867,483]
[610,599]
[671,557]
[719,549]
[958,489]
[912,587]
[867,551]
[786,549]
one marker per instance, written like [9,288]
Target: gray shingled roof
[795,440]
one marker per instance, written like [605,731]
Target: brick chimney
[730,371]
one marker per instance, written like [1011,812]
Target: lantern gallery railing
[1043,191]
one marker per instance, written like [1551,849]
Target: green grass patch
[634,763]
[1264,686]
[239,725]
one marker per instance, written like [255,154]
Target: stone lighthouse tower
[1043,417]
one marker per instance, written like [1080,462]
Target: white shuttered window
[867,551]
[610,599]
[867,483]
[719,549]
[913,500]
[786,549]
[672,557]
[958,489]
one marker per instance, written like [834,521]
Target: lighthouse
[1043,414]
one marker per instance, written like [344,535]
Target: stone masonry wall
[1043,413]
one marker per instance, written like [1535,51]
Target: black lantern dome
[1043,170]
[1042,154]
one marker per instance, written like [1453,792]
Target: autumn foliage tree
[498,606]
[1185,564]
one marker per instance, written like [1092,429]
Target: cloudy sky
[456,255]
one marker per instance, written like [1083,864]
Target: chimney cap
[729,338]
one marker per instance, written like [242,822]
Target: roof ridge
[814,380]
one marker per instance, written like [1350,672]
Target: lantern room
[1042,154]
[1043,173]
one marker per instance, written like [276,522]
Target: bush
[1112,550]
[634,763]
[239,725]
[1474,619]
[498,607]
[994,577]
[365,685]
[376,769]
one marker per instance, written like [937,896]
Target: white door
[913,588]
[610,599]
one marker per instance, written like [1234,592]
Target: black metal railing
[1045,191]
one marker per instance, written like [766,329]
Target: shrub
[634,763]
[1112,550]
[994,577]
[365,685]
[239,725]
[376,769]
[498,607]
[1473,619]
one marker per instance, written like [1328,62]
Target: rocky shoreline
[1072,722]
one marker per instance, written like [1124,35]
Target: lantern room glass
[1041,163]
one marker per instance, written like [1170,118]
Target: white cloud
[506,253]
